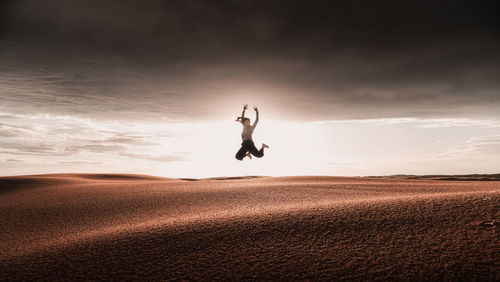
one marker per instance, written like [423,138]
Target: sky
[343,87]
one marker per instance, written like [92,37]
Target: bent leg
[258,153]
[242,152]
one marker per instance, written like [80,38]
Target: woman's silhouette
[248,147]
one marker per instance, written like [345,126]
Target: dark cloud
[179,29]
[302,59]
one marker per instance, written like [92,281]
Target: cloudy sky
[344,87]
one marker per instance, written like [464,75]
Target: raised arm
[256,116]
[245,107]
[240,119]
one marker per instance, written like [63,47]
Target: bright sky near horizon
[33,144]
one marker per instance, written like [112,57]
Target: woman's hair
[245,119]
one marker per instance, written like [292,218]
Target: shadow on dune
[22,182]
[10,184]
[224,178]
[189,179]
[465,177]
[236,177]
[103,176]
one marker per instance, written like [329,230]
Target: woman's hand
[245,106]
[255,108]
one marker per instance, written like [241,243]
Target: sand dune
[114,226]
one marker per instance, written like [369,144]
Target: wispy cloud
[161,158]
[459,122]
[14,160]
[38,148]
[10,130]
[423,122]
[54,136]
[78,163]
[475,146]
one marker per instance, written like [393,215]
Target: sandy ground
[79,226]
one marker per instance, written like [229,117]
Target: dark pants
[249,146]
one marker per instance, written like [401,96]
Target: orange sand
[105,226]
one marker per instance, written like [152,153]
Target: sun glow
[212,146]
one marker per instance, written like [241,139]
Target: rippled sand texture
[105,226]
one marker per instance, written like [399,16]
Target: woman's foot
[264,146]
[249,155]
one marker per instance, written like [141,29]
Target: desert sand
[112,226]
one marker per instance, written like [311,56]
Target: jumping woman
[248,147]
